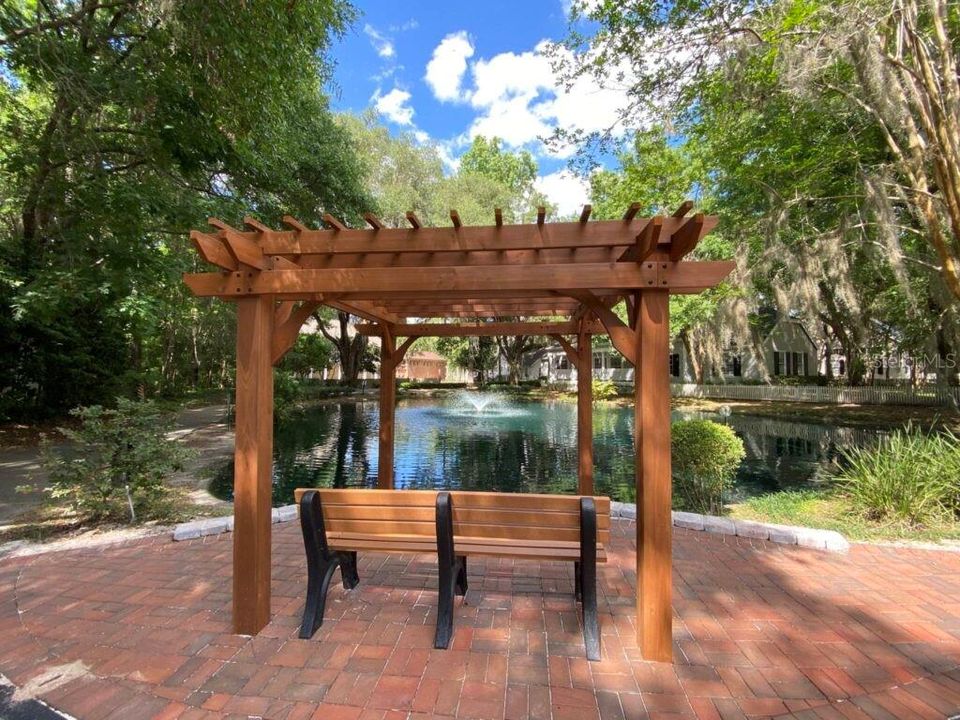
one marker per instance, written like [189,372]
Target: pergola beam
[600,233]
[380,282]
[365,310]
[489,308]
[456,258]
[482,329]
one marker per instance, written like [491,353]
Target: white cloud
[411,24]
[383,45]
[448,65]
[565,190]
[394,106]
[446,149]
[520,100]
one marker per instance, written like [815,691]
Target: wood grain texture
[584,415]
[388,401]
[652,445]
[404,520]
[253,464]
[466,329]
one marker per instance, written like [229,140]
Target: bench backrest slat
[475,514]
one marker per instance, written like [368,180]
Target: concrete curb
[218,525]
[828,540]
[784,534]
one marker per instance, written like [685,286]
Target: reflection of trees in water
[613,454]
[510,461]
[535,451]
[308,453]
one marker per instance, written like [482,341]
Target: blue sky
[449,71]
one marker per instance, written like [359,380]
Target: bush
[604,390]
[119,458]
[705,458]
[910,476]
[287,393]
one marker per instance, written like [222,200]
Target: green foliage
[475,354]
[122,126]
[604,390]
[705,457]
[312,352]
[789,120]
[514,173]
[118,457]
[400,173]
[911,477]
[287,393]
[830,508]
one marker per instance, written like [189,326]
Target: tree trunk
[350,351]
[695,365]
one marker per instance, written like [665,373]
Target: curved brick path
[142,630]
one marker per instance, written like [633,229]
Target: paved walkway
[200,427]
[141,630]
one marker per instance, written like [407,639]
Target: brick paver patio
[142,630]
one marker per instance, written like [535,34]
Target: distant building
[785,351]
[424,365]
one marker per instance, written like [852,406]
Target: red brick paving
[760,631]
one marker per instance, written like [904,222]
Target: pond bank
[205,429]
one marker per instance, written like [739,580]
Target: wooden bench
[455,525]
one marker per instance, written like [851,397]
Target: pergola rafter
[557,279]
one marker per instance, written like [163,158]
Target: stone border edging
[218,525]
[828,540]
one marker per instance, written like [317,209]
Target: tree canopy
[123,125]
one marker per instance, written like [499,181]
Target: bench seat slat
[465,499]
[481,516]
[533,549]
[515,533]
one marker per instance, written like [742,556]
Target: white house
[786,351]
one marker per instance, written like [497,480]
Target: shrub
[118,459]
[604,390]
[910,476]
[287,393]
[705,458]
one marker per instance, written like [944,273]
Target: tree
[474,354]
[513,348]
[352,349]
[310,353]
[400,173]
[827,131]
[122,126]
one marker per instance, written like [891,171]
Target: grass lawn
[830,509]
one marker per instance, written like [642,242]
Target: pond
[516,446]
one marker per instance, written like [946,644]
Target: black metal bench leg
[588,577]
[462,575]
[348,570]
[450,569]
[577,582]
[321,563]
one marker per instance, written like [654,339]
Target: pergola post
[584,414]
[652,442]
[253,465]
[388,400]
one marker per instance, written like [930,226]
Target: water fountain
[482,405]
[479,401]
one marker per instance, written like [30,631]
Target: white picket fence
[868,395]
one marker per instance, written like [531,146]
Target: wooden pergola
[472,277]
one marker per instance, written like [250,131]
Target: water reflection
[530,447]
